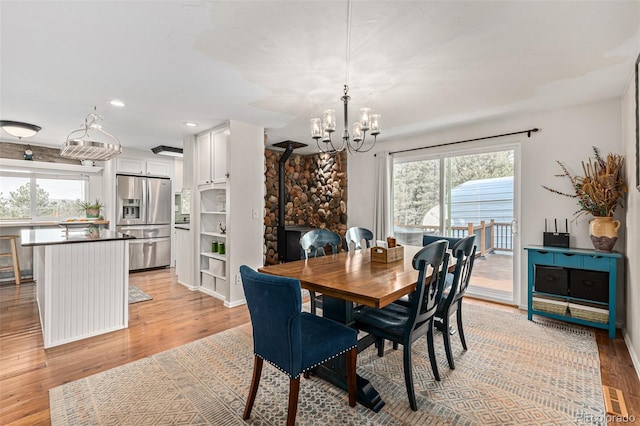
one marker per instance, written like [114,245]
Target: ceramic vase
[603,232]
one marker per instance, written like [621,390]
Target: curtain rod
[528,132]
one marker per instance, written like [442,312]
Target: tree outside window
[33,197]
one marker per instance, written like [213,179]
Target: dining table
[345,279]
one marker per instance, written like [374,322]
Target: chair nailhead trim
[308,368]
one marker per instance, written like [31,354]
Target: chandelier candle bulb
[364,118]
[357,132]
[375,124]
[316,129]
[326,137]
[329,120]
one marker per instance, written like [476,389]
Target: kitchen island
[82,281]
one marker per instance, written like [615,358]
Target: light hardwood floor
[174,317]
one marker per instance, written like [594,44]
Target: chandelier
[322,129]
[91,141]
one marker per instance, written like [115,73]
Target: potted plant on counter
[599,192]
[91,209]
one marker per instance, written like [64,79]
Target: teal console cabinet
[574,285]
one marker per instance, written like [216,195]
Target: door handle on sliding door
[514,226]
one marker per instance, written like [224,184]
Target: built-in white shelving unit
[229,172]
[213,233]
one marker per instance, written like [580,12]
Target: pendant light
[91,141]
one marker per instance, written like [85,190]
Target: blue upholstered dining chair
[355,236]
[404,325]
[313,244]
[456,285]
[291,340]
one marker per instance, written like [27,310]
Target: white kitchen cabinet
[143,167]
[158,168]
[219,172]
[204,146]
[212,157]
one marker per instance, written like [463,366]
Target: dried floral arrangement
[601,189]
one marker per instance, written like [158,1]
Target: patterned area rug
[515,372]
[136,295]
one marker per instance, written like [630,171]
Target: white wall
[566,135]
[246,185]
[632,288]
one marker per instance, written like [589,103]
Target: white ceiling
[423,65]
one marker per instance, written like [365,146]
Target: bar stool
[14,256]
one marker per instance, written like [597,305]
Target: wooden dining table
[344,279]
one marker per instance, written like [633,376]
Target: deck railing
[490,236]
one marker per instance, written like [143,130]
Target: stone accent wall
[15,151]
[316,190]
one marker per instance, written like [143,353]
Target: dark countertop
[44,237]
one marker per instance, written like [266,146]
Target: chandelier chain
[348,47]
[323,128]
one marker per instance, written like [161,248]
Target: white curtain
[382,200]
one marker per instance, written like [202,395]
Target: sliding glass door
[461,194]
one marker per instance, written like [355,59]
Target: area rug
[515,372]
[136,295]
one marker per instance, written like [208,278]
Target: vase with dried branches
[599,191]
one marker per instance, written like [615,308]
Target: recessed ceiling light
[117,103]
[190,124]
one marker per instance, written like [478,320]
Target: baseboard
[491,298]
[211,293]
[634,356]
[236,303]
[7,276]
[190,287]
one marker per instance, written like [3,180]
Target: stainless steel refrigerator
[144,212]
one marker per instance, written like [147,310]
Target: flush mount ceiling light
[321,129]
[19,129]
[167,150]
[91,141]
[190,124]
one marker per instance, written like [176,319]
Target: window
[450,194]
[36,197]
[416,193]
